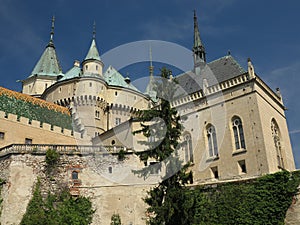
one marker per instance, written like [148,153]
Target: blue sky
[266,31]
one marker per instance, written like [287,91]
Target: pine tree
[162,126]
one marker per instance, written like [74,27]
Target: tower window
[238,133]
[116,93]
[2,134]
[212,141]
[110,169]
[117,121]
[86,67]
[96,67]
[91,84]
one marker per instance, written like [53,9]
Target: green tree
[115,219]
[35,213]
[58,209]
[162,126]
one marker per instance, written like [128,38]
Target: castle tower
[92,64]
[46,72]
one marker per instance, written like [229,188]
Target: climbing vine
[261,201]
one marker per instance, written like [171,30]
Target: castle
[235,129]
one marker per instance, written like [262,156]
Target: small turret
[46,72]
[92,64]
[251,69]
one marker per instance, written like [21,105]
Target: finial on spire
[94,30]
[51,33]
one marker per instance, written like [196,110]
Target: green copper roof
[113,77]
[48,64]
[93,52]
[75,71]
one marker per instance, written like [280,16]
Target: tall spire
[51,44]
[151,67]
[198,48]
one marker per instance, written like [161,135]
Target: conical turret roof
[48,63]
[93,52]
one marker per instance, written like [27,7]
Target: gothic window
[238,133]
[212,141]
[188,148]
[277,143]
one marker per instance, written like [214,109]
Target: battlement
[40,125]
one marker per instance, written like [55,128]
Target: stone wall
[114,190]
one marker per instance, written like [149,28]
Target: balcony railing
[62,149]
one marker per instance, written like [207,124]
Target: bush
[52,157]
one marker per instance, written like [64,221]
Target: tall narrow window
[212,141]
[277,143]
[238,133]
[117,121]
[2,134]
[188,148]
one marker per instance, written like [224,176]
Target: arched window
[238,133]
[212,141]
[188,148]
[277,143]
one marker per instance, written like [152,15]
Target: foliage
[162,125]
[60,209]
[121,155]
[261,201]
[115,219]
[1,200]
[52,157]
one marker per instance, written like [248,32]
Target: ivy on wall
[261,201]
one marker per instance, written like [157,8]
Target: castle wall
[15,132]
[114,190]
[269,110]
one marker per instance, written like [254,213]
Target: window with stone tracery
[212,141]
[238,133]
[188,148]
[277,143]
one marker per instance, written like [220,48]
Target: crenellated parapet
[38,124]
